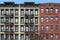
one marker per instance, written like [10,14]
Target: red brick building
[49,14]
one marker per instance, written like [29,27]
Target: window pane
[36,12]
[51,28]
[2,19]
[56,36]
[36,28]
[31,20]
[22,12]
[11,36]
[16,20]
[16,28]
[46,27]
[11,11]
[7,28]
[2,36]
[7,37]
[12,20]
[26,37]
[26,20]
[16,36]
[51,19]
[56,18]
[56,27]
[26,11]
[26,28]
[11,28]
[16,11]
[2,28]
[42,19]
[47,19]
[2,11]
[22,37]
[31,28]
[22,20]
[47,10]
[51,10]
[7,12]
[22,28]
[36,20]
[51,37]
[46,36]
[56,10]
[42,10]
[42,27]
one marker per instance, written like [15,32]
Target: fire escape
[30,33]
[9,30]
[42,32]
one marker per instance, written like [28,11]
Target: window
[46,36]
[51,10]
[42,10]
[56,10]
[2,19]
[26,11]
[16,28]
[56,36]
[42,27]
[26,37]
[11,28]
[26,20]
[22,28]
[46,27]
[16,36]
[31,19]
[51,37]
[2,11]
[47,10]
[2,28]
[31,28]
[42,19]
[31,11]
[51,28]
[56,18]
[47,19]
[7,28]
[11,36]
[7,36]
[16,20]
[36,12]
[56,27]
[22,12]
[7,20]
[26,28]
[36,28]
[51,19]
[11,11]
[36,37]
[12,20]
[22,37]
[7,11]
[22,20]
[36,20]
[2,36]
[16,11]
[31,36]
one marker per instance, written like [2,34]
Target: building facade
[19,21]
[29,21]
[49,21]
